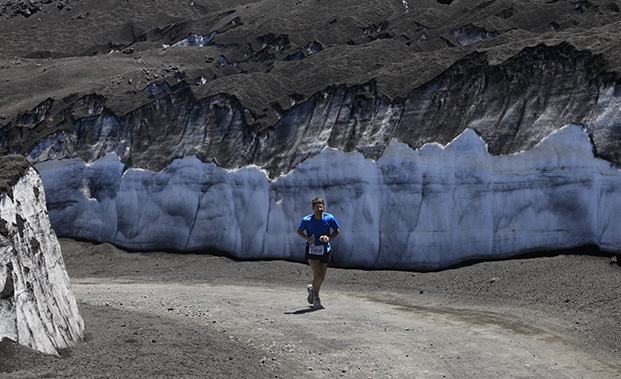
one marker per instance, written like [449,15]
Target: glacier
[415,209]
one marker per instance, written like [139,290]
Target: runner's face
[318,207]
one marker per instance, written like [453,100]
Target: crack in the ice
[198,209]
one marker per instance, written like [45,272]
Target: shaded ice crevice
[198,209]
[469,34]
[410,209]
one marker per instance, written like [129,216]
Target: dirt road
[194,316]
[383,335]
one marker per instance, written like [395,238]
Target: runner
[316,230]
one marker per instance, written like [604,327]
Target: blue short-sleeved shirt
[318,228]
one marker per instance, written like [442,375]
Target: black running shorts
[325,258]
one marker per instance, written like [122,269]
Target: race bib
[316,250]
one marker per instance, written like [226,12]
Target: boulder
[37,306]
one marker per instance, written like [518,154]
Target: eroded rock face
[513,106]
[37,306]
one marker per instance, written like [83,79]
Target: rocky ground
[202,316]
[265,53]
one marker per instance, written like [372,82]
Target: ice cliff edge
[427,208]
[37,306]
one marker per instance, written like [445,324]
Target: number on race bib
[316,250]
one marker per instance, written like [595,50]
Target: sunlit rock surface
[37,306]
[422,209]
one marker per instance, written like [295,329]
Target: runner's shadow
[305,310]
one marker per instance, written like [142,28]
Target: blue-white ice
[410,209]
[196,40]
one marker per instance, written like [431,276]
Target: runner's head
[318,205]
[317,200]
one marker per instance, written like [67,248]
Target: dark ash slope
[271,76]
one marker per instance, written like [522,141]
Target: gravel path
[199,316]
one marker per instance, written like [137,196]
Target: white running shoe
[311,294]
[317,303]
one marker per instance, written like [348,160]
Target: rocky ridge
[247,51]
[494,100]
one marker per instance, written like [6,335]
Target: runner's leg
[319,273]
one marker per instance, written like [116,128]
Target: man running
[318,229]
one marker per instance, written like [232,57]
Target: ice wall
[410,209]
[37,307]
